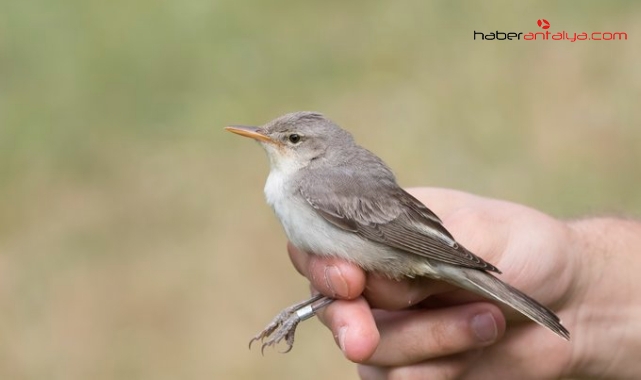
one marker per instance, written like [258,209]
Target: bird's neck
[279,184]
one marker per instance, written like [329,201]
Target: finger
[413,336]
[331,276]
[299,258]
[353,327]
[451,367]
[385,293]
[518,356]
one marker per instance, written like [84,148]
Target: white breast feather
[304,227]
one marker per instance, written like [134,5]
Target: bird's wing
[353,202]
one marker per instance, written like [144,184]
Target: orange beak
[253,132]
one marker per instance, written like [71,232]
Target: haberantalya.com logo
[549,36]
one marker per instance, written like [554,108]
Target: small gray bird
[334,197]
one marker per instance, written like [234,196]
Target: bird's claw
[285,323]
[282,327]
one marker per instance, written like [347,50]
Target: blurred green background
[134,239]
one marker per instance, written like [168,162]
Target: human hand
[425,328]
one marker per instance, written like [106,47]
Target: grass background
[134,239]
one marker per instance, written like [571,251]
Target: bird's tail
[487,285]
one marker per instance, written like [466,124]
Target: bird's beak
[253,132]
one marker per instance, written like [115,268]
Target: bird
[334,197]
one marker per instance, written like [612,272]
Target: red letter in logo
[543,23]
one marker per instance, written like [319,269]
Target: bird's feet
[283,326]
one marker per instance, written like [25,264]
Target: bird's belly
[308,231]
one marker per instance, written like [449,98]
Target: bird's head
[294,140]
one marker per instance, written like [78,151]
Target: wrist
[606,304]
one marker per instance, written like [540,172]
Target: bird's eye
[294,138]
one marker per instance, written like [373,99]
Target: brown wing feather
[354,203]
[396,234]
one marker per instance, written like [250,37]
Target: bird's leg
[283,326]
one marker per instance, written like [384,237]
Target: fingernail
[341,337]
[484,327]
[335,282]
